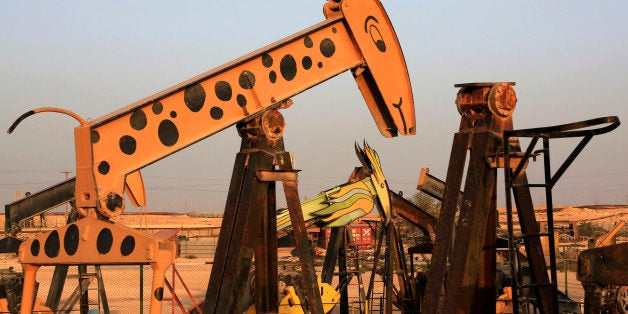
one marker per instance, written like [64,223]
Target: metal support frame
[249,228]
[467,269]
[405,297]
[600,269]
[473,258]
[516,181]
[395,265]
[469,280]
[340,242]
[60,275]
[36,204]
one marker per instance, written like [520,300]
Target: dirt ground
[123,283]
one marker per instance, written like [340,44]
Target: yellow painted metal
[291,303]
[338,206]
[370,160]
[329,296]
[343,204]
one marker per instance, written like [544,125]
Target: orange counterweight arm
[357,35]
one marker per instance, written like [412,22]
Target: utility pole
[596,201]
[66,172]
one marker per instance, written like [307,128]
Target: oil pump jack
[464,266]
[337,208]
[356,36]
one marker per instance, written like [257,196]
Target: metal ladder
[513,180]
[90,292]
[90,299]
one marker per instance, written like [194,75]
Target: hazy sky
[569,59]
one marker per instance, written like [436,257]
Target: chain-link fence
[128,288]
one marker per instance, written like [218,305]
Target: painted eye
[370,26]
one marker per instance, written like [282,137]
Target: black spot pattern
[113,201]
[127,246]
[381,45]
[306,62]
[334,30]
[246,79]
[94,136]
[272,76]
[159,293]
[138,120]
[194,97]
[223,90]
[104,241]
[35,246]
[168,133]
[103,167]
[241,100]
[158,107]
[52,245]
[173,114]
[288,67]
[370,26]
[267,60]
[320,65]
[128,144]
[327,47]
[71,239]
[307,41]
[216,113]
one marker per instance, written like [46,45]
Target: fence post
[141,289]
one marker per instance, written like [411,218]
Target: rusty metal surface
[479,189]
[485,286]
[224,238]
[598,268]
[380,233]
[37,203]
[10,244]
[249,227]
[343,276]
[516,179]
[430,184]
[240,236]
[413,214]
[604,265]
[309,281]
[276,175]
[485,110]
[266,276]
[446,223]
[427,203]
[534,251]
[333,248]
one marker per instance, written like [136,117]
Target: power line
[27,183]
[26,171]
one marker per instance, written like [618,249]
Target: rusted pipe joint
[497,98]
